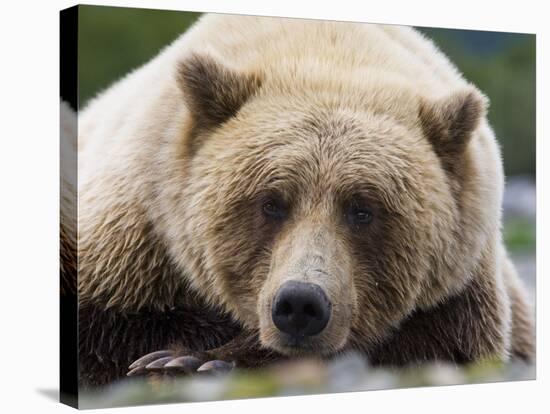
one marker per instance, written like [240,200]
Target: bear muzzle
[300,309]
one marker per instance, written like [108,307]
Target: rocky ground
[343,374]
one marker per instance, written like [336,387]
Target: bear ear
[213,92]
[449,122]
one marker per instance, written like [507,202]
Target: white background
[29,97]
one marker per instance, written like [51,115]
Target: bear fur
[67,204]
[313,119]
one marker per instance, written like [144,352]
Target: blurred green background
[114,40]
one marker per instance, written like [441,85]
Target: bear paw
[168,362]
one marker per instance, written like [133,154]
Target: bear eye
[358,214]
[274,209]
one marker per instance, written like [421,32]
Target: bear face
[310,215]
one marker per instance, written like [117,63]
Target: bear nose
[300,309]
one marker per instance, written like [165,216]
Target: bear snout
[301,309]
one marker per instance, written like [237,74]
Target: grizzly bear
[271,188]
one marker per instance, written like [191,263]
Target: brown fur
[319,116]
[449,124]
[214,93]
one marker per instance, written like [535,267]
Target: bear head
[322,212]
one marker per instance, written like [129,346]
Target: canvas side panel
[68,206]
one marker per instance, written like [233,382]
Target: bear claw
[216,367]
[147,359]
[165,362]
[158,364]
[136,371]
[186,364]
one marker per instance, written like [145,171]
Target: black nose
[300,309]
